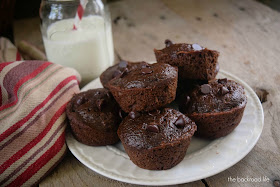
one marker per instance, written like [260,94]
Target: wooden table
[247,35]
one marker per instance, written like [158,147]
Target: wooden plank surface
[244,31]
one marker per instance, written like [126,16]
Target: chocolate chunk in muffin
[94,117]
[157,140]
[146,88]
[216,107]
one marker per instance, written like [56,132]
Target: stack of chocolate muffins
[132,106]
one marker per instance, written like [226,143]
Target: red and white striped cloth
[33,97]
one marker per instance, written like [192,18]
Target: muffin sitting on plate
[217,107]
[157,140]
[94,117]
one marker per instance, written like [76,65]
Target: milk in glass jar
[78,36]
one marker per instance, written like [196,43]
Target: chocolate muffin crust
[94,117]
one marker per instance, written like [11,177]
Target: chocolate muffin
[216,107]
[157,140]
[94,117]
[193,61]
[146,88]
[117,69]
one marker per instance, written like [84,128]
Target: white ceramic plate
[203,158]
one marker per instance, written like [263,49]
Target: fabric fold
[33,97]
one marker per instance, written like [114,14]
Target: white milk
[89,49]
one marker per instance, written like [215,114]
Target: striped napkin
[33,97]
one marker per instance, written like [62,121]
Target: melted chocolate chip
[154,112]
[124,72]
[188,99]
[189,46]
[180,122]
[134,115]
[196,47]
[144,64]
[123,64]
[120,73]
[152,128]
[108,94]
[168,42]
[146,71]
[100,103]
[222,81]
[103,123]
[117,73]
[205,88]
[121,114]
[79,101]
[223,90]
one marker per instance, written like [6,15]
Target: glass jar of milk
[89,48]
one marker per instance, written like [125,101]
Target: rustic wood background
[247,35]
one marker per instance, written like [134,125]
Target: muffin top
[145,76]
[174,48]
[95,108]
[155,129]
[117,69]
[179,48]
[216,96]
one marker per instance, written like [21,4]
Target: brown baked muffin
[94,117]
[147,88]
[216,107]
[157,140]
[192,60]
[117,69]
